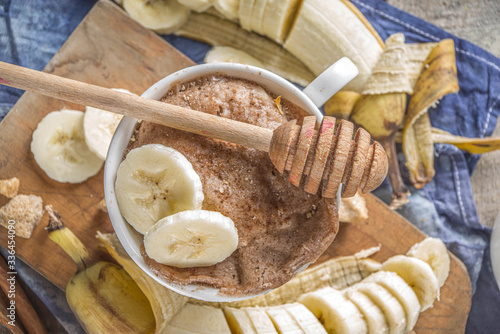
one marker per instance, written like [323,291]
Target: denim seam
[490,110]
[456,177]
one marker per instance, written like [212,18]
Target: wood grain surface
[106,49]
[476,21]
[111,50]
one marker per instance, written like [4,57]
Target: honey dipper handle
[135,106]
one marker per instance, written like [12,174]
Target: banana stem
[65,238]
[399,191]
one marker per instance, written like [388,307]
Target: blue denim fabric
[32,31]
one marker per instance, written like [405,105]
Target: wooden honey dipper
[319,155]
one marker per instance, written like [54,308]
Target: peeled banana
[103,297]
[323,33]
[219,32]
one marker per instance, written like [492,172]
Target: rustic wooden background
[477,21]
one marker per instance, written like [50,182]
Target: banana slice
[227,54]
[257,16]
[278,17]
[390,306]
[260,320]
[322,34]
[198,319]
[153,182]
[228,8]
[375,319]
[419,277]
[197,5]
[164,17]
[59,148]
[282,320]
[334,311]
[393,283]
[239,321]
[433,251]
[245,13]
[99,126]
[308,323]
[193,238]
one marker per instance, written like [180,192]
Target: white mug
[310,99]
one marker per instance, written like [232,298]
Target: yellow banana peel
[103,297]
[381,108]
[341,104]
[470,145]
[164,303]
[438,78]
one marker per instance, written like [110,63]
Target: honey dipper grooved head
[322,155]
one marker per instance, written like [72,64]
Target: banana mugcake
[278,227]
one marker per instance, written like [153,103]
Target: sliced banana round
[375,319]
[308,323]
[193,238]
[403,293]
[199,319]
[334,311]
[155,181]
[260,320]
[433,251]
[99,126]
[419,277]
[390,306]
[164,17]
[282,320]
[59,148]
[228,54]
[197,5]
[228,8]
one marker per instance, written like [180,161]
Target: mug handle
[330,81]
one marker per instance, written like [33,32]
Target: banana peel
[381,108]
[438,78]
[470,145]
[216,31]
[341,104]
[164,303]
[103,297]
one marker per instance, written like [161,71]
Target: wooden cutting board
[111,50]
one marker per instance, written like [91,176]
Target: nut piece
[9,187]
[26,212]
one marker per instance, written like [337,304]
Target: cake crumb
[26,211]
[9,187]
[102,205]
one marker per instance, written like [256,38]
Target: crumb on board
[25,211]
[9,187]
[102,205]
[353,209]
